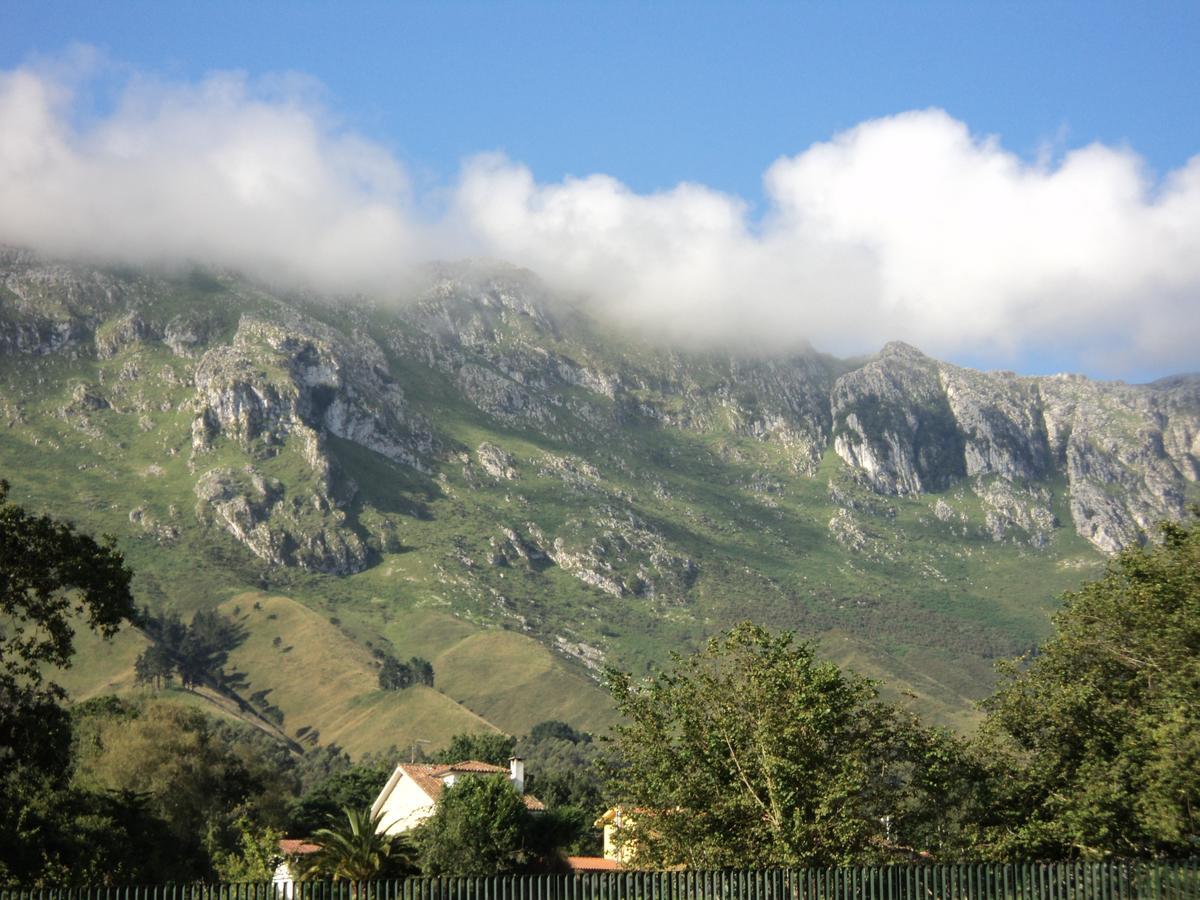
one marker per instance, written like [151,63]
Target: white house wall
[405,807]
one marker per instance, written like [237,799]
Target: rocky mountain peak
[899,350]
[270,374]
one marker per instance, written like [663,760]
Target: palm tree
[356,850]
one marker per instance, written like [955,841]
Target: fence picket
[1076,880]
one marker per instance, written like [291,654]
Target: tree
[197,652]
[356,850]
[50,576]
[49,573]
[557,730]
[479,827]
[395,675]
[422,671]
[255,857]
[1095,743]
[751,752]
[563,768]
[205,649]
[154,666]
[484,746]
[72,835]
[190,774]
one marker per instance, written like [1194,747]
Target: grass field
[516,682]
[325,682]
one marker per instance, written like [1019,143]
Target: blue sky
[653,95]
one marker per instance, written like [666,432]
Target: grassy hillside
[101,666]
[326,683]
[513,680]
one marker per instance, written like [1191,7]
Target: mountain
[476,472]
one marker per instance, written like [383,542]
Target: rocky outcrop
[908,425]
[622,555]
[122,333]
[785,402]
[497,462]
[617,553]
[48,308]
[300,378]
[85,398]
[282,530]
[272,375]
[185,334]
[1014,512]
[1127,452]
[999,418]
[297,385]
[893,424]
[503,398]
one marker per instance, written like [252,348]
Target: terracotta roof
[474,765]
[592,864]
[293,847]
[428,777]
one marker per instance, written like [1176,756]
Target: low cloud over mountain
[908,226]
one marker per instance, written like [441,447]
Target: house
[290,850]
[412,791]
[617,846]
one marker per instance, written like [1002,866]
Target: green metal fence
[960,881]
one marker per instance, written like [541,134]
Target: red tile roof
[592,864]
[293,847]
[533,804]
[474,765]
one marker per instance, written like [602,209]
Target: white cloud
[213,171]
[903,227]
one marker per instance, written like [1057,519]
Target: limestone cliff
[273,375]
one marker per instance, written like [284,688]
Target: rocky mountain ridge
[503,432]
[904,423]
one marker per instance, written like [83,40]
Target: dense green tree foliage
[565,770]
[196,653]
[554,729]
[752,752]
[255,856]
[49,575]
[484,746]
[354,787]
[480,827]
[196,776]
[155,667]
[396,676]
[1095,742]
[70,835]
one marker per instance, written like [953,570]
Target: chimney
[516,773]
